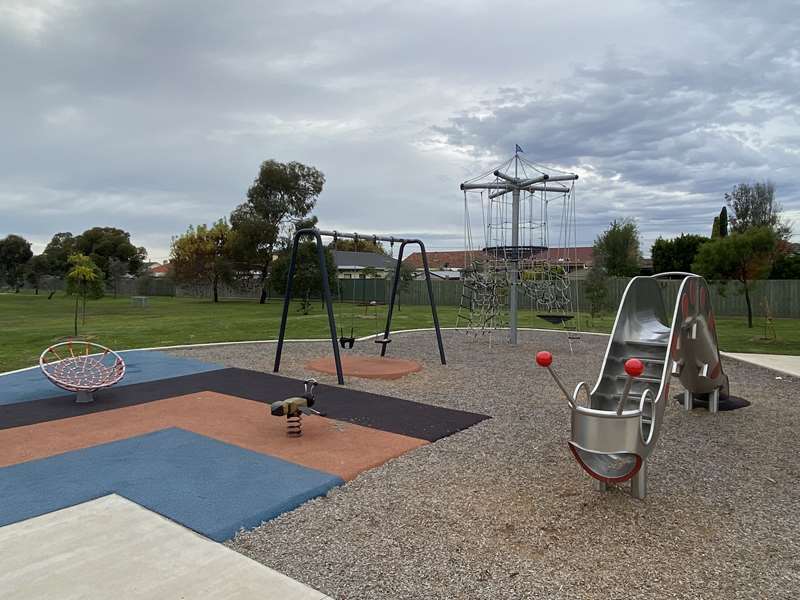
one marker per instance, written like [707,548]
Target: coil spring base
[294,425]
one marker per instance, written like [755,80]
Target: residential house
[352,265]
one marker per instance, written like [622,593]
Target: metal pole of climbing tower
[512,293]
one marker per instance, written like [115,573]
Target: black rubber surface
[386,413]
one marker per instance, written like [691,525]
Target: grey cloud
[153,115]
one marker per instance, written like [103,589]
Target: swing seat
[347,342]
[556,319]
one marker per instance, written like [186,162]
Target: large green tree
[281,194]
[58,251]
[616,250]
[15,252]
[102,244]
[307,281]
[360,245]
[596,288]
[117,270]
[787,266]
[202,255]
[676,254]
[742,257]
[754,206]
[36,270]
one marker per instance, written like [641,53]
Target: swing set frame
[318,234]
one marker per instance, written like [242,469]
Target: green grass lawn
[30,323]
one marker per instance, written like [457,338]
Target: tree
[616,250]
[754,206]
[368,273]
[15,252]
[101,244]
[676,254]
[723,222]
[360,245]
[36,270]
[58,251]
[84,280]
[742,257]
[596,287]
[715,229]
[203,255]
[787,266]
[407,275]
[117,269]
[282,193]
[307,277]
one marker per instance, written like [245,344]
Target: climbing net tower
[528,249]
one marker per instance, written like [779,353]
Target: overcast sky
[153,115]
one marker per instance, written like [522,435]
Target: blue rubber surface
[209,486]
[141,366]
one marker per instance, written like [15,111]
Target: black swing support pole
[326,293]
[429,285]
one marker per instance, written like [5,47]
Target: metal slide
[616,426]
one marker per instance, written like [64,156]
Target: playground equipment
[517,257]
[326,293]
[616,429]
[88,368]
[295,407]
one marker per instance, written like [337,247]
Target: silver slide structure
[616,425]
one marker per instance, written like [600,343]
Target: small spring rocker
[295,407]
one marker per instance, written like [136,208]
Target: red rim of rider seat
[622,479]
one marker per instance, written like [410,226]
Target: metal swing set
[336,340]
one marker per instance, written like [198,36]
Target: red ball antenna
[544,358]
[634,367]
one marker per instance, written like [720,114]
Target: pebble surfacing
[501,510]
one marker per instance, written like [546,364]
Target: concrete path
[112,547]
[790,365]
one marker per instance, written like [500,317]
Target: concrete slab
[783,363]
[140,367]
[111,547]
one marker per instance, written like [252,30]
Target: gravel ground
[501,510]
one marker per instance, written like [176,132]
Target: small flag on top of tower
[518,150]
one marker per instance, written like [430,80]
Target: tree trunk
[85,293]
[215,286]
[36,291]
[265,282]
[77,297]
[749,305]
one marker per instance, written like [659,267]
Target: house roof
[345,259]
[455,259]
[159,269]
[580,255]
[441,260]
